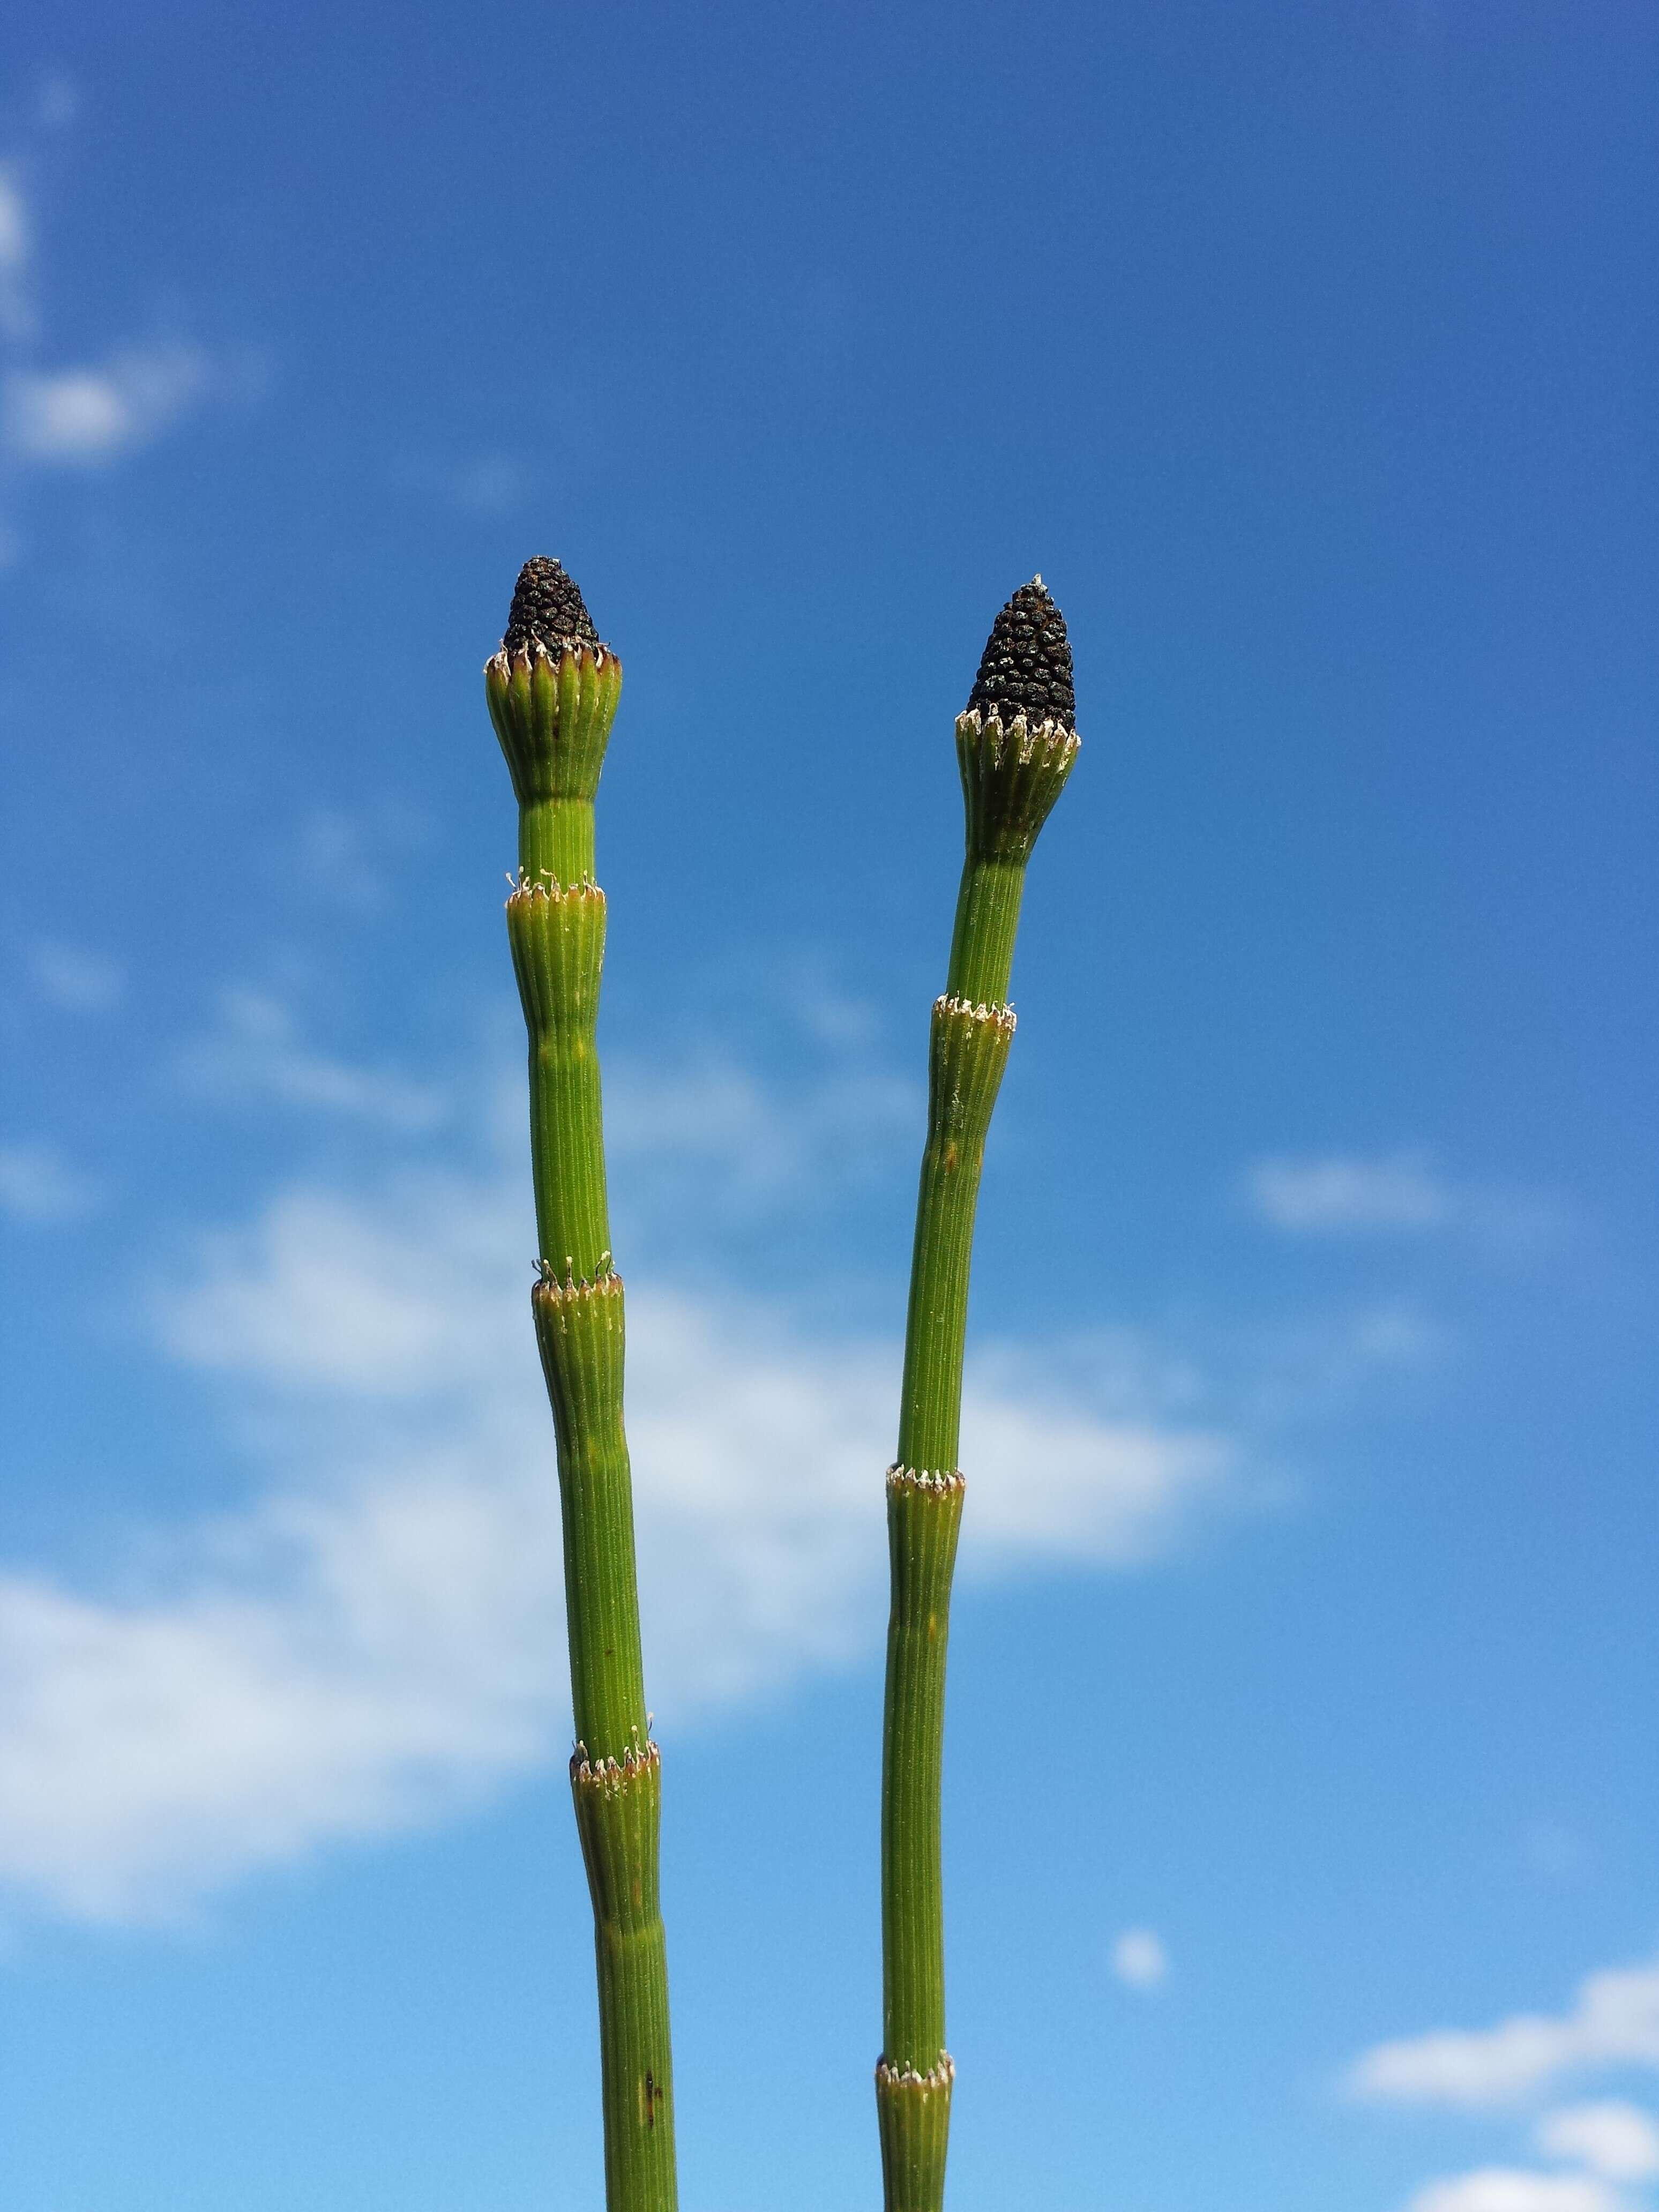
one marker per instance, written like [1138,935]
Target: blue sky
[1301,1795]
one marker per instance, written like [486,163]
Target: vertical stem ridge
[924,1515]
[552,712]
[617,1809]
[968,1050]
[579,1332]
[1011,777]
[913,2113]
[557,939]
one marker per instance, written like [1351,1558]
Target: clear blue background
[1311,354]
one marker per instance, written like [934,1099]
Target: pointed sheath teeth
[913,2113]
[912,1481]
[613,1775]
[557,939]
[967,1054]
[552,689]
[940,2075]
[1016,741]
[553,718]
[618,1808]
[1012,774]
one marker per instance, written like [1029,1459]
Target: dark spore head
[1026,666]
[548,610]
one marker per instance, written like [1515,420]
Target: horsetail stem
[1015,746]
[552,691]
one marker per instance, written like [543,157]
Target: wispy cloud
[486,485]
[87,413]
[1400,1195]
[1139,1959]
[39,1186]
[373,1643]
[1613,2020]
[85,417]
[758,1139]
[257,1052]
[337,859]
[1618,2140]
[1336,1194]
[1513,2189]
[56,100]
[75,980]
[17,318]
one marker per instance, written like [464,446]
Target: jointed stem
[557,935]
[552,701]
[970,1049]
[1009,779]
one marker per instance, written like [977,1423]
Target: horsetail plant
[1016,745]
[552,691]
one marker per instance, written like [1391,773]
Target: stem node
[1012,771]
[552,691]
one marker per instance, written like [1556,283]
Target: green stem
[553,718]
[1010,783]
[556,841]
[983,942]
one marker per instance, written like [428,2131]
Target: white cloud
[374,1641]
[343,860]
[57,101]
[1613,2022]
[258,1052]
[487,485]
[321,1670]
[86,413]
[757,1141]
[14,224]
[77,982]
[1334,1194]
[1401,1194]
[17,315]
[83,417]
[1616,2140]
[1555,1850]
[1138,1958]
[14,228]
[39,1185]
[17,246]
[1510,2189]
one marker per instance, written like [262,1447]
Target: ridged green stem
[556,841]
[983,942]
[1010,781]
[553,718]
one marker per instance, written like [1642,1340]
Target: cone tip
[548,609]
[1026,666]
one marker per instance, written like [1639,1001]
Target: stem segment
[1010,778]
[552,711]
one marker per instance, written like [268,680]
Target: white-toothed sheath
[552,691]
[1015,747]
